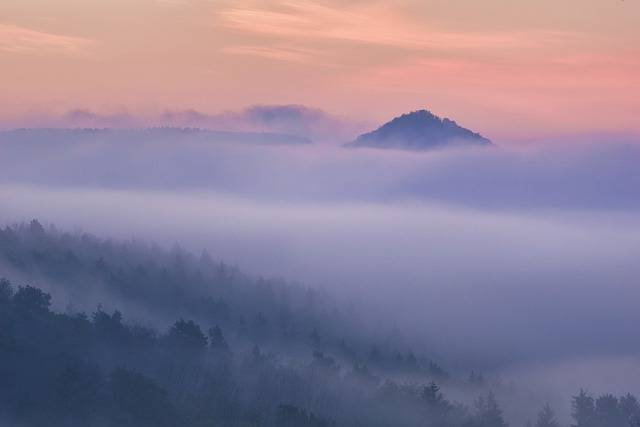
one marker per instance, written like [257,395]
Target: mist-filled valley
[319,213]
[224,278]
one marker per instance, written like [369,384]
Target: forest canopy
[238,350]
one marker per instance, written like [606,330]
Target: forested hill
[181,340]
[157,285]
[419,130]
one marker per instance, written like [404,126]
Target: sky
[506,68]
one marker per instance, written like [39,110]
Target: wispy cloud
[302,56]
[373,24]
[16,39]
[173,3]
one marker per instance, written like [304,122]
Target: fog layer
[498,258]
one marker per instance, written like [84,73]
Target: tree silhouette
[31,300]
[216,339]
[488,413]
[6,291]
[583,410]
[187,335]
[546,417]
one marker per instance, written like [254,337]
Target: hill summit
[419,130]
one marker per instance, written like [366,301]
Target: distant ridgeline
[419,130]
[167,134]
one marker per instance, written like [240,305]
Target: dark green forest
[175,339]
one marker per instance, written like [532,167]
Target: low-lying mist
[520,262]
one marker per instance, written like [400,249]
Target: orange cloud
[15,39]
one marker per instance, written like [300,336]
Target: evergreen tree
[547,417]
[216,339]
[630,408]
[32,300]
[488,413]
[437,405]
[6,291]
[583,410]
[607,412]
[187,335]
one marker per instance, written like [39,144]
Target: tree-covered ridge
[160,284]
[74,369]
[78,370]
[210,346]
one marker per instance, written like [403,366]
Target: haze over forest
[262,214]
[502,262]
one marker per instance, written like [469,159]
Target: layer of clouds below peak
[483,256]
[568,177]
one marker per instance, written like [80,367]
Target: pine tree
[488,413]
[216,339]
[583,409]
[547,417]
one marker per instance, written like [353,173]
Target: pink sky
[502,67]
